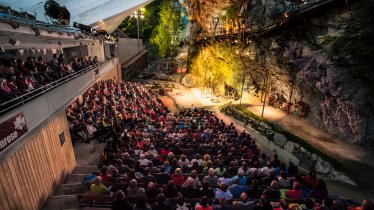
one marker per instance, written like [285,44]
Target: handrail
[22,99]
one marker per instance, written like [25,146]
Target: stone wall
[286,149]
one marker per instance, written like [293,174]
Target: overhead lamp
[81,44]
[57,12]
[37,31]
[59,43]
[12,40]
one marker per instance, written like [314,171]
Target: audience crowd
[18,77]
[186,160]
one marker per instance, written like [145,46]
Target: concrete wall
[128,48]
[96,50]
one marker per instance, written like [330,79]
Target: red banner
[11,130]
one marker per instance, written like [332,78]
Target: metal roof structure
[100,14]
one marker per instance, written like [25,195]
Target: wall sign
[11,130]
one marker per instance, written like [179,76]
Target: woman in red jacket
[177,177]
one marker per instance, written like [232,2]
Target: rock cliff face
[339,96]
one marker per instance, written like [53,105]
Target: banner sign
[11,130]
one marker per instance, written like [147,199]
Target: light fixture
[57,12]
[2,50]
[12,40]
[59,43]
[81,44]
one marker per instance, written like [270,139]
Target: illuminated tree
[166,32]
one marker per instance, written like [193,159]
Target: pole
[137,24]
[289,101]
[241,97]
[266,85]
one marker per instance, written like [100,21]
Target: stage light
[59,43]
[2,50]
[55,11]
[12,40]
[81,44]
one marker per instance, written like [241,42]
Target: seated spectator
[146,177]
[133,190]
[292,169]
[222,192]
[225,179]
[232,170]
[5,92]
[310,180]
[183,162]
[206,160]
[97,188]
[188,189]
[220,169]
[105,176]
[264,204]
[212,179]
[161,203]
[151,190]
[120,201]
[141,204]
[181,205]
[178,177]
[273,192]
[194,179]
[244,202]
[203,205]
[275,162]
[283,180]
[143,161]
[241,177]
[295,192]
[11,82]
[207,191]
[206,168]
[320,192]
[171,190]
[236,190]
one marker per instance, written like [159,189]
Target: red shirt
[178,180]
[294,194]
[202,208]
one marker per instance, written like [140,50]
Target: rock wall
[338,98]
[339,95]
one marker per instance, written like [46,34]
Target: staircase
[65,197]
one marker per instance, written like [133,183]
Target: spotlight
[81,44]
[59,43]
[13,41]
[82,27]
[2,50]
[55,11]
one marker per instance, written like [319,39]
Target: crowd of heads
[18,77]
[157,156]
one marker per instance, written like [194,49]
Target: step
[85,169]
[71,189]
[61,202]
[75,178]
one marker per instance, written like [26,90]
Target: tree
[166,32]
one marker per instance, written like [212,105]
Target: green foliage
[217,64]
[291,137]
[356,43]
[166,32]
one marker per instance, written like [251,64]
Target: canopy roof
[100,14]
